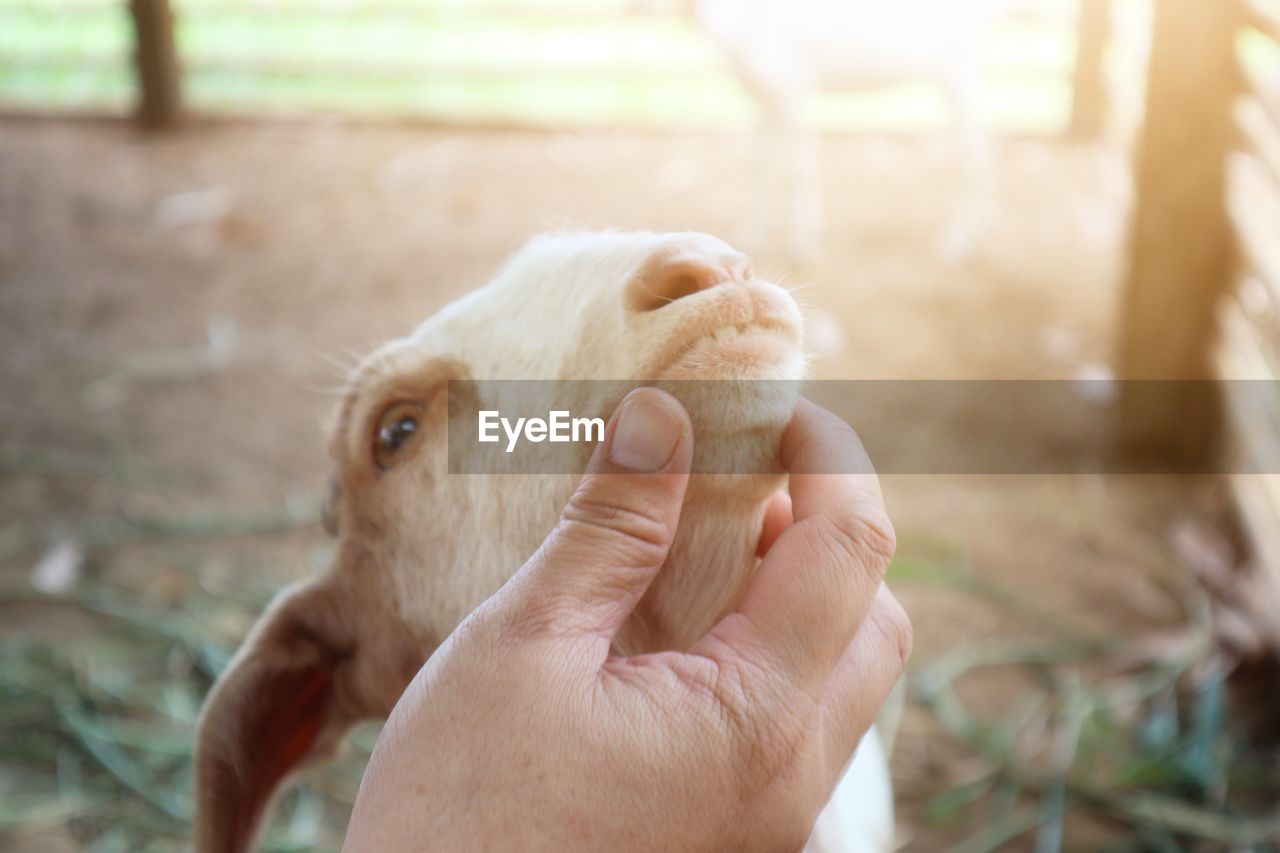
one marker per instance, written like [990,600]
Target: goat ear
[286,699]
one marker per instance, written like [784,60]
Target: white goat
[420,547]
[783,51]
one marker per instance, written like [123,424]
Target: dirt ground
[320,240]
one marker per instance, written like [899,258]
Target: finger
[777,518]
[817,582]
[617,528]
[864,676]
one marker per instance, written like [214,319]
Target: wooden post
[156,59]
[1181,249]
[1089,89]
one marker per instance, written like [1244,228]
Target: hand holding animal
[523,726]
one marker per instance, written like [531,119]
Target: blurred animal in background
[784,51]
[419,549]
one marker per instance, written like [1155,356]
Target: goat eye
[398,428]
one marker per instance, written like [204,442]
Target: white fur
[860,814]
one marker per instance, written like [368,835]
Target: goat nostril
[673,279]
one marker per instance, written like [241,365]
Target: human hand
[522,730]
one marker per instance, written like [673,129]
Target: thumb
[615,532]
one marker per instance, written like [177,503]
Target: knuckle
[534,617]
[883,539]
[895,627]
[532,634]
[537,617]
[865,534]
[632,529]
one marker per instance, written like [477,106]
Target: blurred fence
[1249,344]
[520,62]
[1203,291]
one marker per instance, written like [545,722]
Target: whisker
[325,390]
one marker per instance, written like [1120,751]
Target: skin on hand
[522,728]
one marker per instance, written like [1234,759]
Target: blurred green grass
[579,64]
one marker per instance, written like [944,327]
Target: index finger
[816,584]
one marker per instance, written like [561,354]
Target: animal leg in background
[786,173]
[805,193]
[960,236]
